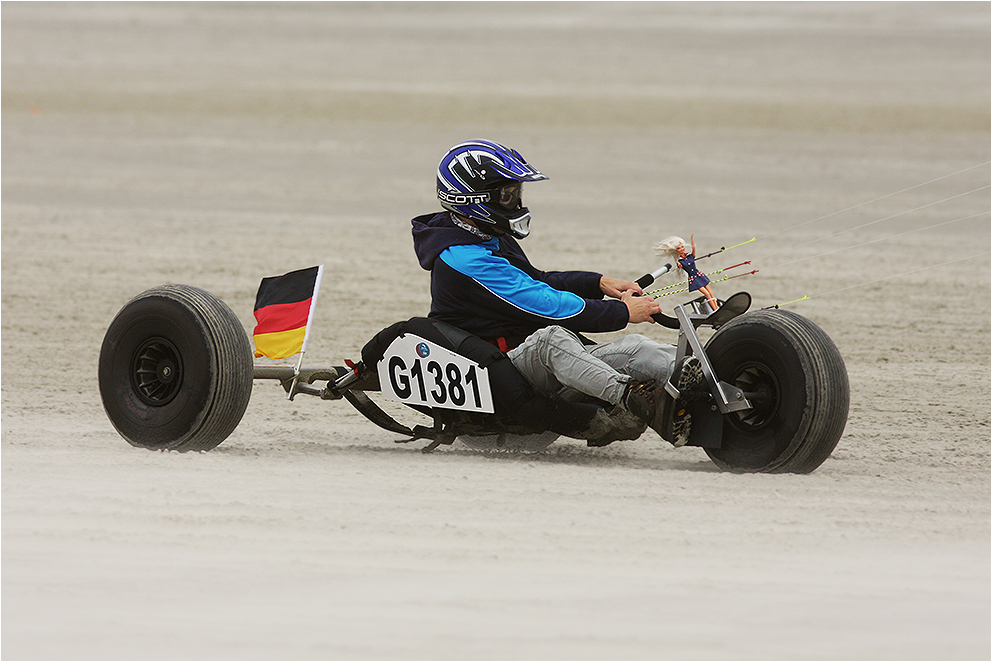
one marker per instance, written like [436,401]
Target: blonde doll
[674,248]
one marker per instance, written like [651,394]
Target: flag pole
[306,334]
[296,377]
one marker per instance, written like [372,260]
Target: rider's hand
[640,309]
[614,287]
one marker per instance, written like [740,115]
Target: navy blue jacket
[490,289]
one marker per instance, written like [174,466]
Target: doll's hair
[669,247]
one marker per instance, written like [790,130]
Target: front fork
[707,416]
[727,398]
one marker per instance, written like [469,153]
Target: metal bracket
[728,398]
[295,381]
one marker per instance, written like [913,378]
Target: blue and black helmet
[481,180]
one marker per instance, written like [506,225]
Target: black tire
[175,370]
[797,382]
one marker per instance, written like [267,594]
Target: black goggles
[508,195]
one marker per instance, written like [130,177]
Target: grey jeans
[555,361]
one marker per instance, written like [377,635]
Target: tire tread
[827,391]
[231,369]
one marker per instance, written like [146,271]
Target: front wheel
[175,370]
[794,376]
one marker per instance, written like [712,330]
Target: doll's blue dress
[697,279]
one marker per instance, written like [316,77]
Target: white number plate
[418,372]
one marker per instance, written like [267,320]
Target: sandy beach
[217,144]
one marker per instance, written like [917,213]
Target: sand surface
[215,145]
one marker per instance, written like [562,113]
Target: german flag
[283,307]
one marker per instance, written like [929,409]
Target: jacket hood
[433,233]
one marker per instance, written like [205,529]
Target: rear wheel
[175,370]
[794,376]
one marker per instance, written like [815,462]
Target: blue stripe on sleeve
[509,283]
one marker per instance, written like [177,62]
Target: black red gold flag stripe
[283,308]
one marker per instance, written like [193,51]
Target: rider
[483,283]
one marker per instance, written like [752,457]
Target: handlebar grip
[647,279]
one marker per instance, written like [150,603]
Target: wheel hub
[761,388]
[156,372]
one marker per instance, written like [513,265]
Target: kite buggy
[176,373]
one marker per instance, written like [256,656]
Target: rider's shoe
[616,425]
[629,418]
[645,403]
[643,399]
[690,382]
